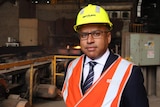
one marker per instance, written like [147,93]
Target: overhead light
[77,47]
[41,1]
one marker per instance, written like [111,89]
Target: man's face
[94,40]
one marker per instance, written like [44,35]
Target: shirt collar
[102,60]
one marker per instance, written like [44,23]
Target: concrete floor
[153,102]
[50,104]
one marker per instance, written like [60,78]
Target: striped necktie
[89,80]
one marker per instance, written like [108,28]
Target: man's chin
[91,56]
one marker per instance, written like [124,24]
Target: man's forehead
[97,25]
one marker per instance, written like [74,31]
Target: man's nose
[90,38]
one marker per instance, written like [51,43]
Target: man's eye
[97,33]
[84,35]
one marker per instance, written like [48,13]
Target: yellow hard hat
[92,14]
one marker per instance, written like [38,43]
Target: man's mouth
[91,48]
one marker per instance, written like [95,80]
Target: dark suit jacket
[134,93]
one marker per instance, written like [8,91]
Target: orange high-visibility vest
[105,92]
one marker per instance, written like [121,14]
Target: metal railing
[30,64]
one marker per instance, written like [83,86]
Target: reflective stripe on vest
[105,92]
[71,68]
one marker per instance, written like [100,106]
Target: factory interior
[37,40]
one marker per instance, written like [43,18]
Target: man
[100,78]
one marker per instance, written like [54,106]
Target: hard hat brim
[75,27]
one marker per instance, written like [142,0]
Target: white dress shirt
[97,68]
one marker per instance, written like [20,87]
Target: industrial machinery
[23,80]
[27,79]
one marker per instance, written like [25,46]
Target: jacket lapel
[112,57]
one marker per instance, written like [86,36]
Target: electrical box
[144,48]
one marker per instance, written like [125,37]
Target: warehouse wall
[56,24]
[8,22]
[57,20]
[53,12]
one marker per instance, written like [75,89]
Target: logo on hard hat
[89,15]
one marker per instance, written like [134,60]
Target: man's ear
[109,37]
